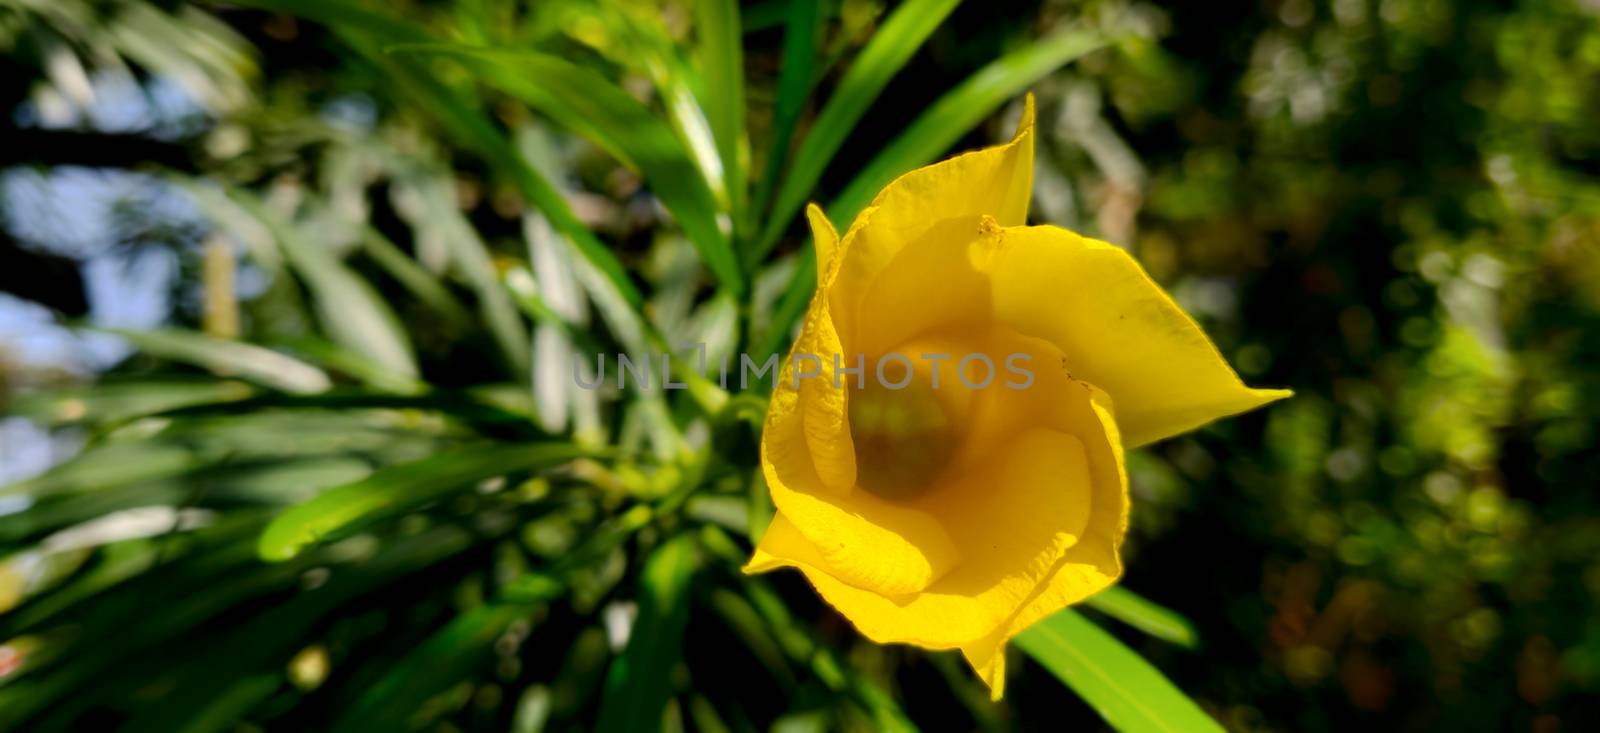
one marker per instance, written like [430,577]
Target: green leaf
[1119,684]
[449,656]
[801,27]
[114,564]
[494,147]
[413,277]
[340,511]
[549,583]
[367,31]
[805,648]
[115,399]
[722,58]
[436,211]
[1134,610]
[224,653]
[479,133]
[228,485]
[632,36]
[359,367]
[223,712]
[103,636]
[958,112]
[499,404]
[639,682]
[107,465]
[590,105]
[348,308]
[552,295]
[741,618]
[889,50]
[229,358]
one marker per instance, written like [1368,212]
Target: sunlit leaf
[112,400]
[722,59]
[1134,610]
[348,308]
[229,484]
[1119,684]
[371,32]
[802,21]
[230,358]
[959,111]
[342,510]
[341,360]
[589,104]
[890,48]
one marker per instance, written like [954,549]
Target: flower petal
[1038,523]
[995,182]
[930,286]
[1047,473]
[808,461]
[823,399]
[1083,570]
[825,237]
[1118,330]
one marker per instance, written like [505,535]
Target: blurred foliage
[394,226]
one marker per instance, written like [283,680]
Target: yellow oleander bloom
[932,507]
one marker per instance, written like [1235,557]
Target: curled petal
[1118,331]
[804,447]
[825,237]
[995,182]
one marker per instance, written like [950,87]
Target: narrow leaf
[639,682]
[413,277]
[889,50]
[229,358]
[958,112]
[804,20]
[635,39]
[722,58]
[590,105]
[1134,610]
[340,511]
[115,399]
[349,310]
[802,283]
[432,209]
[449,656]
[367,31]
[1119,684]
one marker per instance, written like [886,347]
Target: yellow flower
[953,513]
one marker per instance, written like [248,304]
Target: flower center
[904,438]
